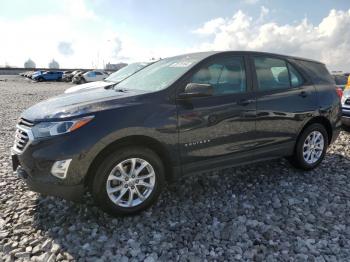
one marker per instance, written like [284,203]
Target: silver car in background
[113,79]
[345,103]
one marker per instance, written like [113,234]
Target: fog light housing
[60,168]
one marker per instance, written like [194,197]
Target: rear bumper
[345,120]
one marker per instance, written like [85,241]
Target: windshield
[125,72]
[161,74]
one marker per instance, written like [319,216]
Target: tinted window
[295,78]
[340,80]
[317,71]
[226,75]
[98,73]
[271,73]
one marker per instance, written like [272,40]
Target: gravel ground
[264,212]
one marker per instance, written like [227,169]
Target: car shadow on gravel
[254,204]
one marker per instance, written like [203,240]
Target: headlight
[46,129]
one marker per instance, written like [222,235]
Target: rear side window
[317,72]
[271,73]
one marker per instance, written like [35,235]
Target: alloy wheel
[130,182]
[313,147]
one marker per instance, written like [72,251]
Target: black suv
[180,115]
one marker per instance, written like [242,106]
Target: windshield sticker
[186,63]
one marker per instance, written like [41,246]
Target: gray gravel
[264,212]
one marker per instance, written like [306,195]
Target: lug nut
[137,181]
[126,179]
[126,186]
[132,187]
[133,176]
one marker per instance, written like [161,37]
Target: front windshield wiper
[121,90]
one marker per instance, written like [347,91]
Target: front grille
[22,135]
[21,139]
[25,122]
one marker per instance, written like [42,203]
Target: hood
[79,103]
[88,86]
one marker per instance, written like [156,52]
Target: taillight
[339,92]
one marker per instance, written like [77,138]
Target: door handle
[303,94]
[245,102]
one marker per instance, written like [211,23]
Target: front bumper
[34,164]
[74,193]
[42,181]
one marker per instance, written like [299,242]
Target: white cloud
[74,36]
[251,2]
[328,41]
[210,27]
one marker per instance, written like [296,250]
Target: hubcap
[130,182]
[313,147]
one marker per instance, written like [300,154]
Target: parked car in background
[345,101]
[31,73]
[67,77]
[112,79]
[180,115]
[348,83]
[77,77]
[340,81]
[89,76]
[48,76]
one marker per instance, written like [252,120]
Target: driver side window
[226,76]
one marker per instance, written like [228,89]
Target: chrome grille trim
[23,138]
[25,122]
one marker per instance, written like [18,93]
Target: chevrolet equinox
[180,115]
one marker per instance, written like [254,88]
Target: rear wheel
[82,80]
[311,147]
[128,181]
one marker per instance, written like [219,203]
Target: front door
[215,130]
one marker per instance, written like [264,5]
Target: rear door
[99,76]
[285,101]
[215,130]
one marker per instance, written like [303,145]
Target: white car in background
[92,76]
[113,79]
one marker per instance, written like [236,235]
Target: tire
[82,80]
[40,79]
[103,180]
[301,159]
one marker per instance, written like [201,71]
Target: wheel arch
[320,120]
[133,140]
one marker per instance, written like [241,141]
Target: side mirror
[197,90]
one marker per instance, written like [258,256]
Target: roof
[210,53]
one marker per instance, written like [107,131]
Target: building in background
[54,64]
[29,64]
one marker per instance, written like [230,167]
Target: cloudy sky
[89,33]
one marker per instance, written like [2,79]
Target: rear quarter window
[317,72]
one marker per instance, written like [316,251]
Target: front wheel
[311,147]
[128,181]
